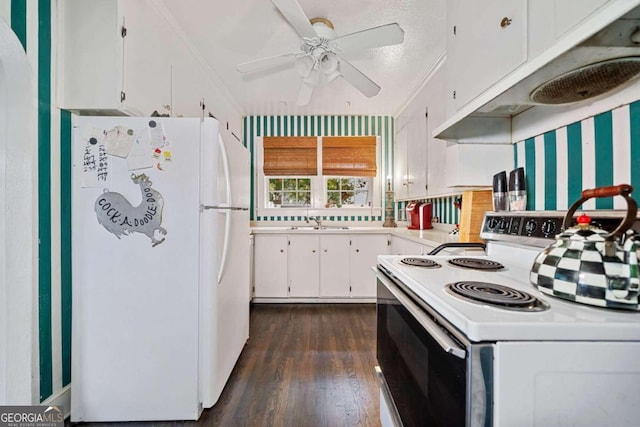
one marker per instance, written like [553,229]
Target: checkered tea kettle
[589,265]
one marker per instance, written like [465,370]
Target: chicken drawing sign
[119,217]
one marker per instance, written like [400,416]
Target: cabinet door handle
[314,251]
[357,250]
[281,250]
[325,250]
[505,22]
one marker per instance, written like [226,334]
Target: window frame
[326,190]
[318,189]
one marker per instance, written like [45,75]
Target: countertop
[433,237]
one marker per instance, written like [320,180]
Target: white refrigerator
[161,287]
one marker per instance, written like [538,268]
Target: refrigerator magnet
[119,217]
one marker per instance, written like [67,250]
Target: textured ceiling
[227,33]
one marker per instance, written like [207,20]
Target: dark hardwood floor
[304,365]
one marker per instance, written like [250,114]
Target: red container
[419,215]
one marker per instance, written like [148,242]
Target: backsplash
[597,151]
[443,208]
[257,126]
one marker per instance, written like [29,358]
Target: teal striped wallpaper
[32,22]
[597,151]
[44,197]
[257,126]
[443,208]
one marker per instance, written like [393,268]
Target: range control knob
[502,224]
[492,223]
[530,226]
[548,227]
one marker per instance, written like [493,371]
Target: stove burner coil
[420,262]
[496,295]
[476,264]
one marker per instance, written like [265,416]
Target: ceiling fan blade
[384,35]
[296,17]
[357,79]
[306,90]
[261,64]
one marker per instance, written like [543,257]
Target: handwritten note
[140,156]
[95,164]
[119,141]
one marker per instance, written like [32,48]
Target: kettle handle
[615,190]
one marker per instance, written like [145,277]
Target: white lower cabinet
[363,255]
[316,266]
[335,266]
[304,266]
[270,266]
[403,246]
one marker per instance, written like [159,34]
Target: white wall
[18,367]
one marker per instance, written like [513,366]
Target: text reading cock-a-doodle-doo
[119,217]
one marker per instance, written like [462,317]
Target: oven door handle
[444,340]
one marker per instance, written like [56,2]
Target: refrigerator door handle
[225,165]
[207,207]
[225,245]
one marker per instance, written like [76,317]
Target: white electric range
[539,360]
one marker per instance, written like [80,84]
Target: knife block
[474,205]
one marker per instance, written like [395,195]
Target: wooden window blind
[290,155]
[349,156]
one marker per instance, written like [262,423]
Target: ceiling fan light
[328,63]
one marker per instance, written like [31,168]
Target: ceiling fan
[320,57]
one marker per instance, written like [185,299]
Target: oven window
[427,384]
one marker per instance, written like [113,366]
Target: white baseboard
[314,300]
[62,398]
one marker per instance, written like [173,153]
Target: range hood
[601,63]
[607,60]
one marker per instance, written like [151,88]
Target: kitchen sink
[318,227]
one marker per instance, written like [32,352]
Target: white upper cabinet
[420,167]
[190,84]
[113,58]
[417,154]
[485,42]
[499,52]
[147,69]
[410,176]
[401,174]
[129,57]
[550,20]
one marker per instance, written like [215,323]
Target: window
[289,192]
[352,192]
[319,172]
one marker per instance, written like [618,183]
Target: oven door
[433,377]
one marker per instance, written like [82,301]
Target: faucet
[317,219]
